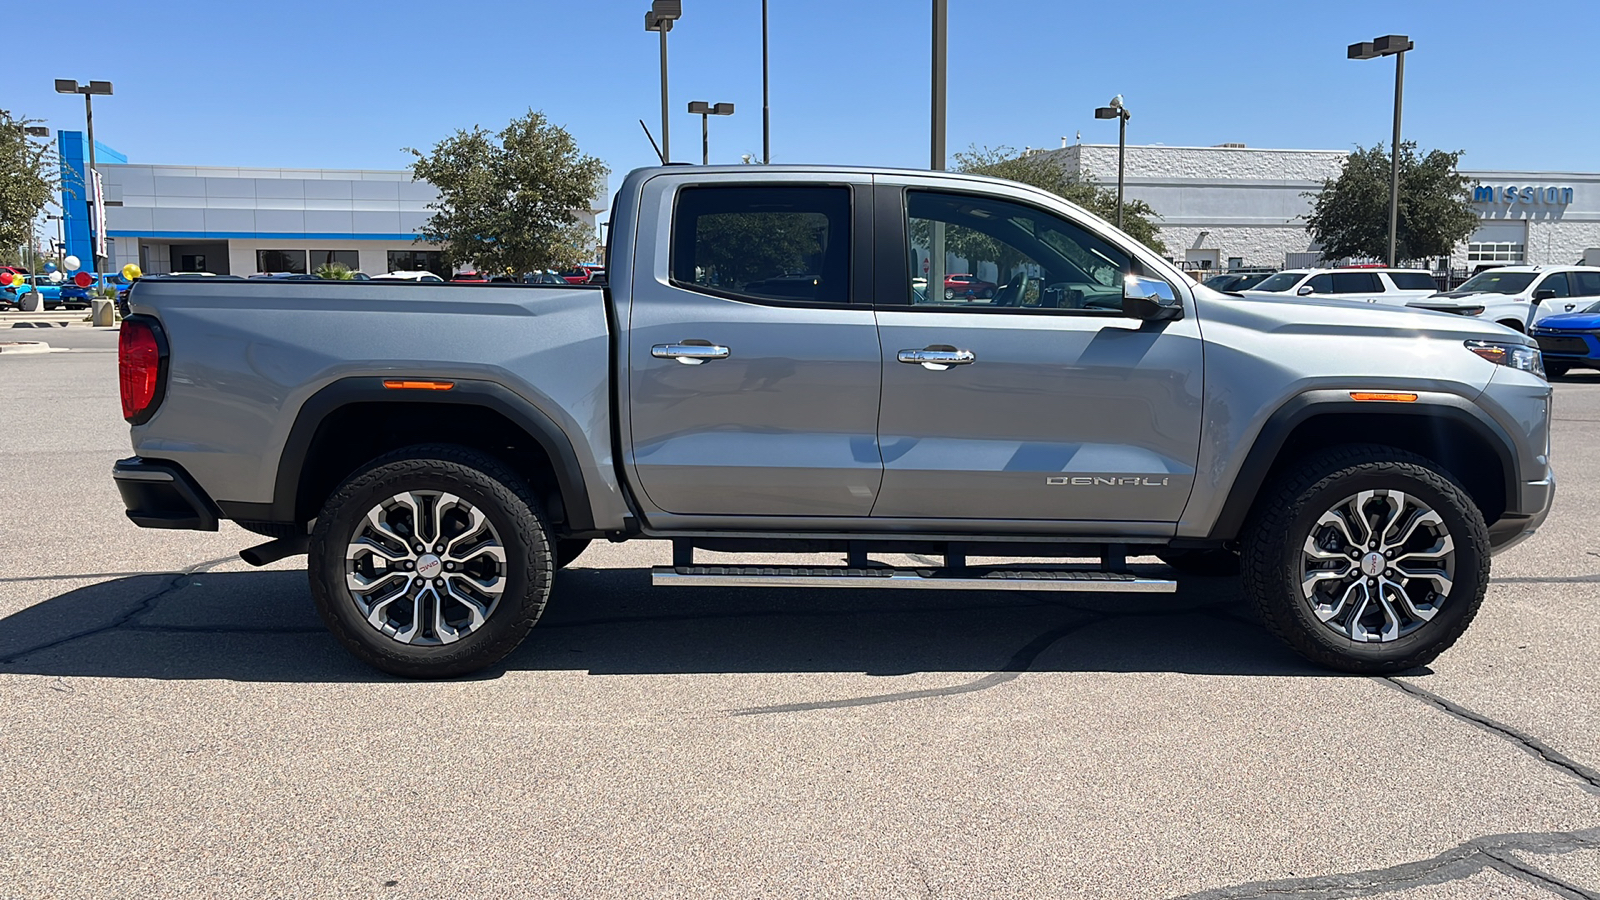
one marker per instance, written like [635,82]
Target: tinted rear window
[1356,283]
[1413,281]
[764,243]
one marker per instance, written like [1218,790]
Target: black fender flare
[1298,410]
[465,392]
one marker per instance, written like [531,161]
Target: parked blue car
[1569,340]
[72,295]
[49,292]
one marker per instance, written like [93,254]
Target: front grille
[1572,346]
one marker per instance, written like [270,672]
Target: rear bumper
[160,494]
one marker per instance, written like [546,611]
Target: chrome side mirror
[1149,299]
[1305,290]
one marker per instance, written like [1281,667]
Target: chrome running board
[973,579]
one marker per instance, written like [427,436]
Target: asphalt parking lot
[179,724]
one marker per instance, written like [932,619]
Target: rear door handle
[937,358]
[690,353]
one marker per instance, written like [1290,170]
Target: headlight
[1517,356]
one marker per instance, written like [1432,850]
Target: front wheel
[1366,559]
[433,561]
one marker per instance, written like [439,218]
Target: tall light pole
[660,17]
[91,179]
[766,98]
[1394,45]
[706,111]
[1117,111]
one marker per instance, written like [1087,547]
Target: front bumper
[1512,529]
[1568,346]
[160,494]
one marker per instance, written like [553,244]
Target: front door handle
[690,353]
[938,357]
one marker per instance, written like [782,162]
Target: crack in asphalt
[130,615]
[1461,861]
[91,576]
[1531,744]
[1020,662]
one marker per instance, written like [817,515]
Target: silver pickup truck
[768,372]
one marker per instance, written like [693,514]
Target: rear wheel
[433,561]
[1367,559]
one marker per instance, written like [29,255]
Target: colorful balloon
[132,272]
[5,279]
[55,277]
[72,263]
[82,279]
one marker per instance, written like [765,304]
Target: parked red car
[584,274]
[469,278]
[963,285]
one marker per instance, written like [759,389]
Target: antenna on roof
[653,143]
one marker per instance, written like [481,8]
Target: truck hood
[1268,312]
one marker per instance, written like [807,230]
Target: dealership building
[1231,206]
[241,221]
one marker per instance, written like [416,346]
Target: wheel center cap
[1372,565]
[429,565]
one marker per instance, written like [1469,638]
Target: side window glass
[1585,284]
[1356,283]
[1557,283]
[763,243]
[1413,281]
[1321,284]
[1000,254]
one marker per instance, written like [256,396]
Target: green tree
[1044,171]
[27,179]
[333,271]
[1350,215]
[506,199]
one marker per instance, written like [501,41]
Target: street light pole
[766,97]
[91,181]
[941,35]
[1394,45]
[1116,110]
[661,15]
[706,111]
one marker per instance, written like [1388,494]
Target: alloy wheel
[1377,566]
[425,568]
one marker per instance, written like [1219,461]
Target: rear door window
[1356,283]
[1585,284]
[764,243]
[1413,281]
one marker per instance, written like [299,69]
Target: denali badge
[1108,480]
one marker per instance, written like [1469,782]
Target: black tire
[569,549]
[488,486]
[1556,369]
[1285,516]
[1211,563]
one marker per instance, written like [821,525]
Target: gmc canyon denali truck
[767,372]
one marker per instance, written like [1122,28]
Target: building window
[418,261]
[293,261]
[1505,252]
[350,259]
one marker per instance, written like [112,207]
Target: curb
[14,348]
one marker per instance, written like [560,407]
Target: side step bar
[974,579]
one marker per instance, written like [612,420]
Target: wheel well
[1455,446]
[1513,324]
[357,433]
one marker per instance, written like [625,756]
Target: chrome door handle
[689,353]
[937,359]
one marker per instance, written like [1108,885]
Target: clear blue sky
[347,85]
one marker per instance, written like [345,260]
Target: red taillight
[139,369]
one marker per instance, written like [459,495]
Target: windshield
[1499,282]
[1280,282]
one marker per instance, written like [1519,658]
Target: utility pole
[766,96]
